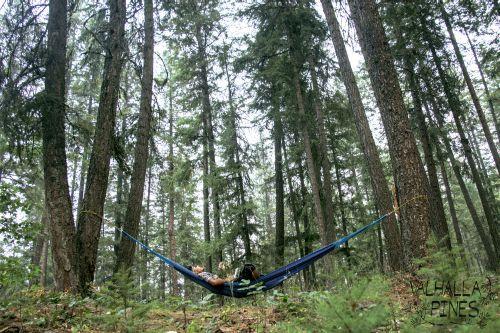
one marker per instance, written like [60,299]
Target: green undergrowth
[352,303]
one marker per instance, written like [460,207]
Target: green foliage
[362,307]
[123,313]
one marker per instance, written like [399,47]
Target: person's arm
[216,282]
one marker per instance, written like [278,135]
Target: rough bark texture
[141,153]
[438,222]
[92,209]
[407,167]
[472,90]
[62,229]
[120,196]
[381,193]
[456,110]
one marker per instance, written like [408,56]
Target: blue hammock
[265,282]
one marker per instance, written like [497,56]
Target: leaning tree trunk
[451,206]
[379,183]
[490,251]
[485,86]
[141,153]
[472,90]
[92,208]
[62,229]
[456,110]
[407,167]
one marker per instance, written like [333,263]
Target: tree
[59,208]
[407,167]
[456,110]
[141,153]
[379,183]
[470,87]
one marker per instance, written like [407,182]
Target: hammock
[265,282]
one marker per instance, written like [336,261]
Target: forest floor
[370,305]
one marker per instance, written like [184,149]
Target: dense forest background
[246,131]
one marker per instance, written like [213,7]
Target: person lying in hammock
[248,272]
[211,278]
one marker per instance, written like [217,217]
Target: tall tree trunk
[237,163]
[208,134]
[62,229]
[40,244]
[162,287]
[92,208]
[323,147]
[294,207]
[206,193]
[407,167]
[305,216]
[490,251]
[120,195]
[278,186]
[485,86]
[326,229]
[379,183]
[141,153]
[472,90]
[451,206]
[438,223]
[455,107]
[145,240]
[171,194]
[343,217]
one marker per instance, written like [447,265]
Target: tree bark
[278,186]
[407,167]
[455,107]
[92,209]
[472,91]
[438,224]
[141,153]
[120,195]
[62,229]
[379,183]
